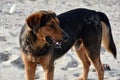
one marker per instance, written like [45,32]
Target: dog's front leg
[49,72]
[30,68]
[30,72]
[48,65]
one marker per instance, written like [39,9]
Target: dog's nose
[65,37]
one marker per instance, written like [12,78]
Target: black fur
[80,24]
[85,25]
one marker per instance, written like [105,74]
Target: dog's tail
[107,39]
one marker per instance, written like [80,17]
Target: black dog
[86,30]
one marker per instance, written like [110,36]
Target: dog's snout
[65,37]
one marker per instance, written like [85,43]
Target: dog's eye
[52,26]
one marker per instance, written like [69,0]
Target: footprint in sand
[4,56]
[18,63]
[76,74]
[71,64]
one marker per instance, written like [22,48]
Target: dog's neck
[35,40]
[32,45]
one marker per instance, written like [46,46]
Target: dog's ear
[39,19]
[33,21]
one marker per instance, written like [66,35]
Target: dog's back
[75,22]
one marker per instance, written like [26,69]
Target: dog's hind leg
[97,64]
[93,53]
[99,67]
[84,59]
[91,38]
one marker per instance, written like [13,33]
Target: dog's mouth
[53,42]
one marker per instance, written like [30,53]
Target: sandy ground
[68,67]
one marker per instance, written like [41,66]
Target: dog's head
[45,25]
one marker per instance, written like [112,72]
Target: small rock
[18,63]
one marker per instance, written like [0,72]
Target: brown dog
[42,40]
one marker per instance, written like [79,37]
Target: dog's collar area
[43,50]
